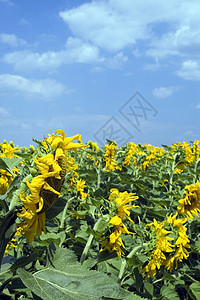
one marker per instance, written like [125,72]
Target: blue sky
[125,70]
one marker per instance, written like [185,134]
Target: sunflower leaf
[8,164]
[68,279]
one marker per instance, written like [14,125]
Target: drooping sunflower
[109,158]
[45,187]
[114,242]
[190,205]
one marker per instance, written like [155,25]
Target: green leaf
[9,163]
[169,293]
[149,288]
[56,208]
[168,276]
[24,260]
[56,238]
[70,280]
[196,246]
[157,212]
[24,155]
[105,255]
[195,289]
[138,279]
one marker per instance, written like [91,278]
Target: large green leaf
[9,163]
[195,289]
[169,293]
[50,283]
[65,278]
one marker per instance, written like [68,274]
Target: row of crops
[82,222]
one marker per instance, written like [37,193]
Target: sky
[126,70]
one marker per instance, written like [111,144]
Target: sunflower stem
[172,172]
[130,255]
[89,242]
[64,212]
[98,177]
[171,178]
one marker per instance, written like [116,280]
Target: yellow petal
[116,221]
[56,141]
[61,132]
[48,187]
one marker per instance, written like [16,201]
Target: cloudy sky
[108,69]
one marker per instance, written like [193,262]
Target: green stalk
[16,194]
[171,178]
[195,170]
[158,280]
[98,178]
[130,255]
[64,212]
[172,172]
[89,242]
[98,169]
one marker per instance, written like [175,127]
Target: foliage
[80,222]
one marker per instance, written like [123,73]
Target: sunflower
[114,242]
[190,205]
[45,188]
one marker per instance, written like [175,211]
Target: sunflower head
[190,205]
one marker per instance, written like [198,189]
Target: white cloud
[40,89]
[116,61]
[114,24]
[27,60]
[81,52]
[190,70]
[151,67]
[103,24]
[76,51]
[101,30]
[11,40]
[183,42]
[164,92]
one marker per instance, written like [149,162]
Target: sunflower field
[82,222]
